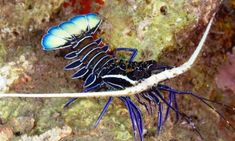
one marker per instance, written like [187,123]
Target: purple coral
[225,79]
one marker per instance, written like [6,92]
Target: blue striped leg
[103,111]
[183,115]
[135,115]
[133,50]
[68,103]
[160,108]
[170,99]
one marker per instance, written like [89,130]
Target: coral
[142,25]
[6,133]
[55,134]
[2,54]
[226,75]
[83,6]
[22,125]
[152,26]
[12,71]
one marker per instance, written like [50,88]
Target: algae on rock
[149,26]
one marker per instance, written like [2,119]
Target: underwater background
[164,30]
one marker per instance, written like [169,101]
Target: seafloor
[165,30]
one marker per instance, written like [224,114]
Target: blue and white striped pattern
[89,59]
[68,33]
[99,69]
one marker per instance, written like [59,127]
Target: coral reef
[55,134]
[12,71]
[163,30]
[6,133]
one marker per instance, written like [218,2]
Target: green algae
[15,107]
[81,114]
[45,112]
[123,134]
[28,12]
[2,53]
[144,26]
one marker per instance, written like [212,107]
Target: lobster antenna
[140,87]
[214,109]
[204,100]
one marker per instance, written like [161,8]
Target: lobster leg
[103,111]
[135,115]
[168,108]
[160,109]
[133,50]
[70,101]
[159,117]
[176,105]
[202,99]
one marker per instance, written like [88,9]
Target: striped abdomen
[89,59]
